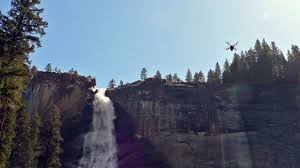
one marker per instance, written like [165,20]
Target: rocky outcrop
[195,126]
[71,95]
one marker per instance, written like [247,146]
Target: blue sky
[116,38]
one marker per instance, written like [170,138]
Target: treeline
[24,141]
[263,64]
[48,68]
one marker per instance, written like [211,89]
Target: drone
[231,47]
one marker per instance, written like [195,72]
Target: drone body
[231,47]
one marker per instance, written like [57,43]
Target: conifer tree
[36,145]
[264,63]
[72,71]
[169,78]
[112,84]
[189,77]
[210,76]
[251,60]
[279,64]
[143,74]
[176,79]
[196,78]
[290,56]
[226,76]
[33,70]
[294,64]
[22,155]
[20,32]
[56,70]
[244,68]
[217,74]
[157,75]
[121,83]
[235,68]
[201,77]
[48,68]
[55,139]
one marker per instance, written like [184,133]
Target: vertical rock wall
[191,126]
[72,97]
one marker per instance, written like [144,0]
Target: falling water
[100,144]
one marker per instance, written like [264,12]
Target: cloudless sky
[116,38]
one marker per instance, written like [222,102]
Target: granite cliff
[71,95]
[161,125]
[195,126]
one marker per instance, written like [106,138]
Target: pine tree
[279,64]
[196,78]
[290,56]
[264,63]
[112,84]
[56,70]
[48,68]
[33,70]
[20,32]
[121,83]
[55,139]
[294,64]
[72,71]
[235,68]
[201,77]
[36,145]
[217,74]
[244,69]
[210,76]
[226,76]
[169,78]
[157,75]
[189,77]
[251,60]
[143,74]
[22,155]
[176,79]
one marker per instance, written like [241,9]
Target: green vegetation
[157,75]
[20,32]
[144,74]
[22,154]
[263,64]
[112,83]
[189,77]
[55,139]
[48,68]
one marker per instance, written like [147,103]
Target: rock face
[162,125]
[71,95]
[195,126]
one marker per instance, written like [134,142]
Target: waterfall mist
[99,144]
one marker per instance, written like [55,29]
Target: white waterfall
[99,144]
